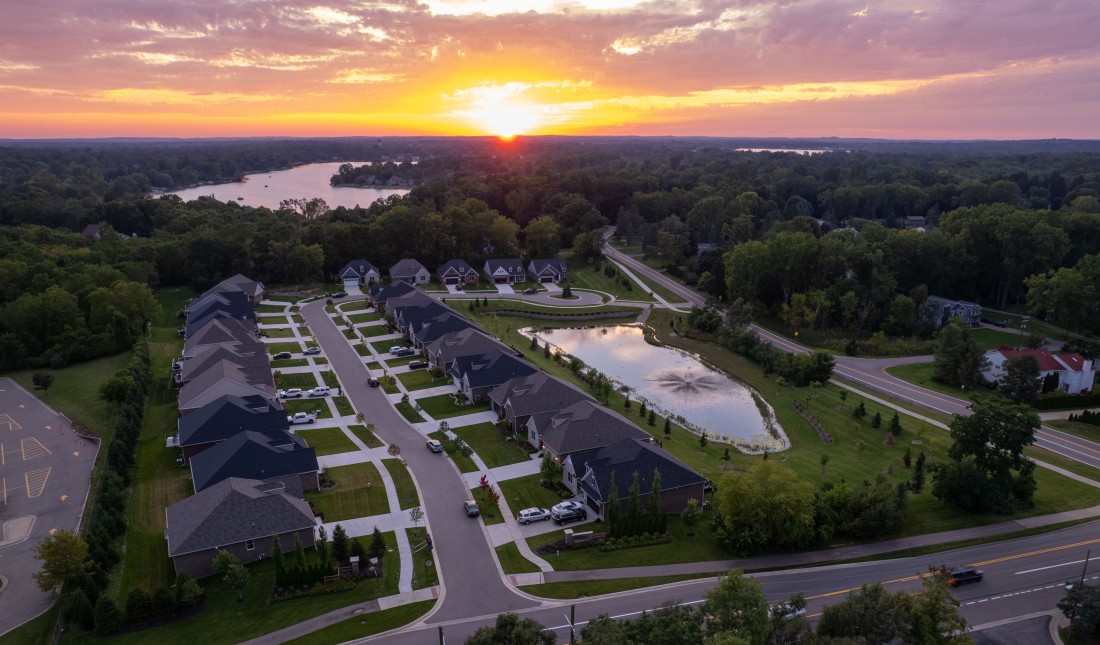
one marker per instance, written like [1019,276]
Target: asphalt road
[466,563]
[1021,575]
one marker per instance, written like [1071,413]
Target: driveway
[505,289]
[551,287]
[467,565]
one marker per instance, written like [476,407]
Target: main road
[872,372]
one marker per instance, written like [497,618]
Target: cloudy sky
[930,69]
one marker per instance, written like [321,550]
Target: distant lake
[794,150]
[304,182]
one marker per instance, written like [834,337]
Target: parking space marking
[36,481]
[9,423]
[33,448]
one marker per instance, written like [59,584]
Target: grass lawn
[563,309]
[277,332]
[288,298]
[389,385]
[327,441]
[406,410]
[1076,428]
[525,492]
[226,621]
[488,443]
[443,406]
[35,632]
[353,305]
[369,331]
[589,588]
[366,436]
[330,378]
[75,392]
[320,360]
[383,346]
[587,277]
[359,492]
[367,317]
[362,350]
[270,309]
[307,405]
[304,380]
[350,334]
[403,482]
[420,380]
[275,348]
[464,463]
[512,561]
[290,362]
[489,514]
[398,361]
[366,625]
[992,338]
[424,567]
[343,406]
[653,287]
[1055,459]
[921,374]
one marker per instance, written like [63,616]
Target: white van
[320,390]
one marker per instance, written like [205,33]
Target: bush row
[645,539]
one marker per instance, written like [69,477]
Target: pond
[674,382]
[304,182]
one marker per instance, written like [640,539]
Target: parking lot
[45,469]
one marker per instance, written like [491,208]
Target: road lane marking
[1067,441]
[1038,552]
[1013,594]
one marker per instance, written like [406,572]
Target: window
[249,545]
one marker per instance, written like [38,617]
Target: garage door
[450,280]
[546,279]
[351,282]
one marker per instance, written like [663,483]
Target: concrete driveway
[505,289]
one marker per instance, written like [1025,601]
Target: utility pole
[1085,570]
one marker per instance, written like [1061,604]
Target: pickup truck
[301,417]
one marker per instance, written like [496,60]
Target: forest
[851,240]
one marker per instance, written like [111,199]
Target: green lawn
[407,411]
[343,406]
[382,347]
[1055,459]
[353,305]
[304,380]
[587,277]
[921,374]
[489,514]
[403,482]
[277,332]
[512,561]
[654,287]
[307,405]
[525,492]
[392,361]
[424,572]
[370,331]
[362,350]
[367,317]
[589,588]
[327,441]
[366,436]
[443,406]
[290,362]
[359,492]
[330,378]
[350,334]
[275,348]
[270,309]
[288,298]
[464,463]
[389,385]
[366,625]
[420,380]
[992,338]
[491,446]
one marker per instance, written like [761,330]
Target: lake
[674,382]
[304,182]
[794,150]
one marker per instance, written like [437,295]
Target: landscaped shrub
[646,539]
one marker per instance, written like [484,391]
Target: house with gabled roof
[410,271]
[585,425]
[225,417]
[381,294]
[233,305]
[443,351]
[239,283]
[221,380]
[359,273]
[518,399]
[588,474]
[220,331]
[504,271]
[251,357]
[476,375]
[457,272]
[554,270]
[428,330]
[1075,373]
[418,310]
[268,456]
[240,516]
[937,311]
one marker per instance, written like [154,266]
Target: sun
[506,120]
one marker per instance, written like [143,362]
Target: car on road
[530,291]
[471,508]
[418,365]
[566,505]
[434,445]
[292,393]
[320,390]
[281,356]
[786,611]
[569,515]
[373,382]
[528,515]
[340,294]
[963,575]
[312,351]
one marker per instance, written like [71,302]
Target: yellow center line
[1067,441]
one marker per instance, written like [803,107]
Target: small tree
[139,606]
[188,592]
[907,458]
[223,560]
[859,412]
[612,511]
[916,482]
[843,396]
[876,420]
[633,496]
[416,514]
[824,462]
[654,506]
[64,557]
[237,579]
[726,455]
[277,552]
[377,543]
[668,427]
[546,350]
[322,546]
[340,547]
[691,513]
[299,552]
[360,417]
[394,450]
[642,410]
[534,343]
[626,402]
[652,420]
[42,381]
[107,616]
[549,469]
[895,425]
[703,439]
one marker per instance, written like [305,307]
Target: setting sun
[505,121]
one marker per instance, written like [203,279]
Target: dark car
[281,356]
[471,508]
[567,515]
[373,382]
[340,294]
[963,575]
[418,365]
[530,292]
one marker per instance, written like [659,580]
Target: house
[509,271]
[241,284]
[381,294]
[224,379]
[476,375]
[518,399]
[443,351]
[937,311]
[250,357]
[359,273]
[220,331]
[414,310]
[436,327]
[1075,373]
[240,516]
[588,474]
[582,426]
[457,272]
[267,456]
[548,271]
[914,222]
[91,231]
[226,417]
[232,305]
[410,271]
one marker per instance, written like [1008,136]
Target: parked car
[528,515]
[312,350]
[570,515]
[373,382]
[340,294]
[292,393]
[963,575]
[530,291]
[301,417]
[434,445]
[320,390]
[471,508]
[418,365]
[281,356]
[785,610]
[566,505]
[402,351]
[398,348]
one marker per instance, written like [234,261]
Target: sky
[934,69]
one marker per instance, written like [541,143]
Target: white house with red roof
[1075,372]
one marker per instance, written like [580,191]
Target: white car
[568,505]
[528,515]
[320,390]
[292,393]
[312,351]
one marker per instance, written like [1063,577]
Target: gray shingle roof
[489,369]
[555,265]
[406,268]
[511,266]
[382,293]
[470,341]
[624,458]
[358,268]
[437,326]
[535,393]
[461,267]
[228,416]
[253,455]
[250,358]
[221,379]
[583,426]
[221,330]
[232,511]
